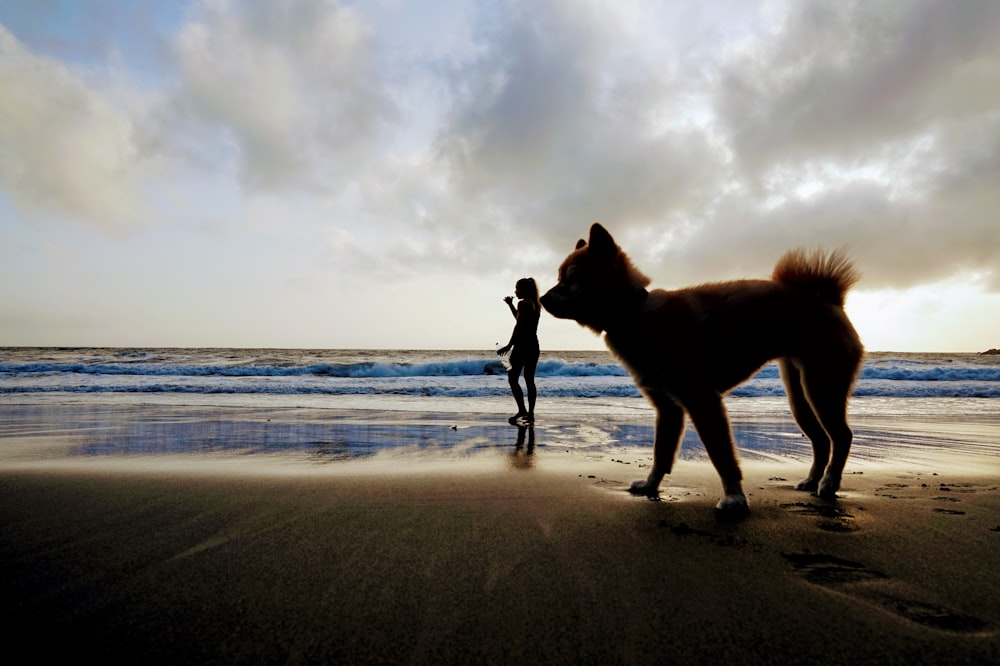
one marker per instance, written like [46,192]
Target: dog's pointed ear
[580,243]
[601,241]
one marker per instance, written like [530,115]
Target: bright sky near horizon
[378,174]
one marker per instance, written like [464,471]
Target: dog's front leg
[666,440]
[708,413]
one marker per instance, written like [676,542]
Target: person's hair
[528,287]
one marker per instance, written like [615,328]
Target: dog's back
[725,331]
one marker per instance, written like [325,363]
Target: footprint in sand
[830,570]
[867,585]
[685,530]
[836,519]
[957,487]
[888,489]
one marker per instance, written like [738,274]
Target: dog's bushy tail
[829,275]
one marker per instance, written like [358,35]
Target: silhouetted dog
[686,348]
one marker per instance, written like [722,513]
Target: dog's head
[597,283]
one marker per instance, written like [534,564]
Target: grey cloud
[840,78]
[295,85]
[555,125]
[65,148]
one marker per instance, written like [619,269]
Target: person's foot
[520,416]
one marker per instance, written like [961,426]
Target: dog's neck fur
[624,313]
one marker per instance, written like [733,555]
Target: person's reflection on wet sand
[522,457]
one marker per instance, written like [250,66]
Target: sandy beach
[509,554]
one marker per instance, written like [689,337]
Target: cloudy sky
[379,173]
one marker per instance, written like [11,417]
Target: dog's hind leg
[666,441]
[708,414]
[828,390]
[803,413]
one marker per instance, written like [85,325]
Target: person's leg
[529,381]
[515,389]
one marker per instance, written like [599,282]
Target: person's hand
[509,300]
[503,350]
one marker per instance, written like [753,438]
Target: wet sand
[498,557]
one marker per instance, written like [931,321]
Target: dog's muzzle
[555,303]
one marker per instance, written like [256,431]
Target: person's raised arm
[509,300]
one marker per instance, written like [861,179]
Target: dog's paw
[733,505]
[645,488]
[808,484]
[828,487]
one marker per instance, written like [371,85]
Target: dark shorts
[524,355]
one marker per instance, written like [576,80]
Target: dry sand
[496,558]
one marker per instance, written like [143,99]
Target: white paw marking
[733,504]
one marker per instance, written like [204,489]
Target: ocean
[141,401]
[297,373]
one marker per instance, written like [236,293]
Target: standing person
[524,341]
